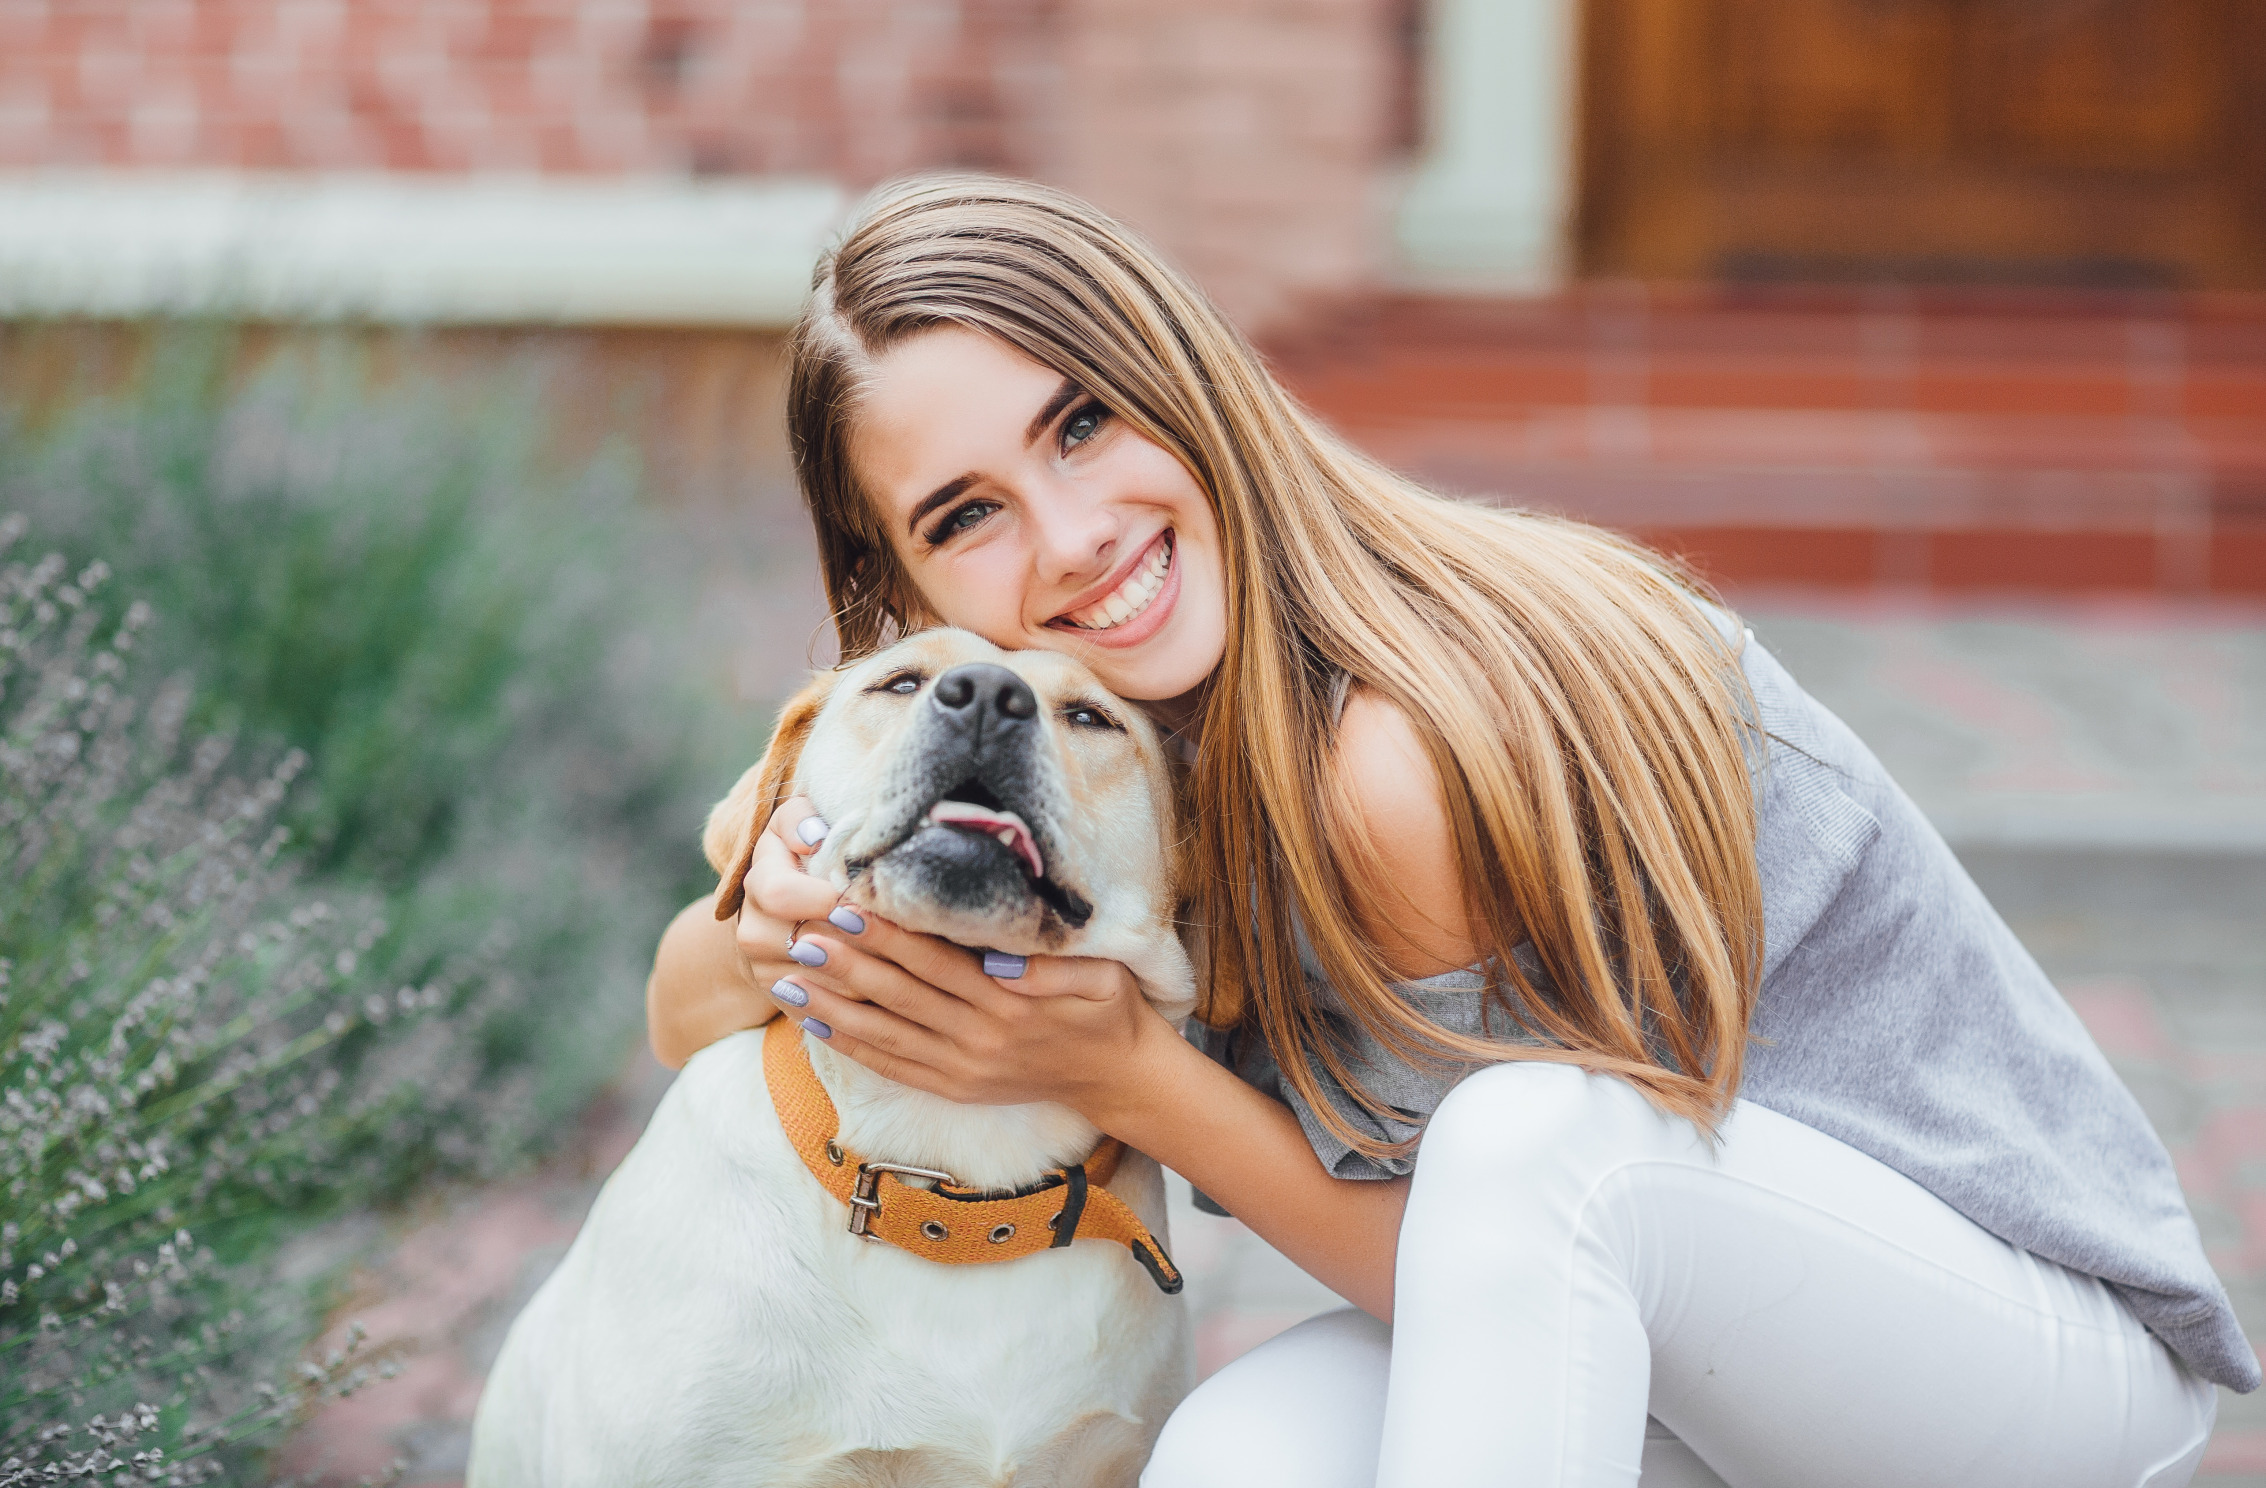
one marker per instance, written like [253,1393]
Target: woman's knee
[1506,1115]
[1304,1408]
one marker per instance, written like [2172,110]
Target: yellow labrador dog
[796,1281]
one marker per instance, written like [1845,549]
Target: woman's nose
[1076,538]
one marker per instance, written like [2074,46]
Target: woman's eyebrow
[937,498]
[1052,406]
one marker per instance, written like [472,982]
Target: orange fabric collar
[954,1225]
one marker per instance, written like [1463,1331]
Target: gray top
[1898,1014]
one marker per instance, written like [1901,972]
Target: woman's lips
[1131,594]
[1137,608]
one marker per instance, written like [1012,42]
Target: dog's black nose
[981,692]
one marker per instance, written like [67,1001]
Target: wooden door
[2086,142]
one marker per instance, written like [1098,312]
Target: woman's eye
[961,519]
[1083,425]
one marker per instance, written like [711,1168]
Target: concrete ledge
[410,249]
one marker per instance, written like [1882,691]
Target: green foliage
[333,859]
[175,1028]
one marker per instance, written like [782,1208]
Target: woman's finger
[857,973]
[780,896]
[1069,976]
[779,888]
[777,882]
[933,961]
[797,825]
[985,979]
[902,1040]
[886,1064]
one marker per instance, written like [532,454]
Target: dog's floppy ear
[738,819]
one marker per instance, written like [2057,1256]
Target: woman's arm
[1248,1152]
[701,988]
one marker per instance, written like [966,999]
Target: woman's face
[1026,512]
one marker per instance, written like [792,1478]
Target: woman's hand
[980,1028]
[781,894]
[925,1013]
[992,1029]
[712,979]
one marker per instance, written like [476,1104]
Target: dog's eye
[1086,715]
[903,684]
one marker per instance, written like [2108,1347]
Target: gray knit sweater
[1900,1015]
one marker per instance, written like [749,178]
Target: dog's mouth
[969,807]
[972,810]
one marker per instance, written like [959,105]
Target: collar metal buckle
[865,1201]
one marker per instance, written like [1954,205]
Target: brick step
[2065,443]
[1409,384]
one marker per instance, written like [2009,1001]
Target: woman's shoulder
[1381,762]
[1414,909]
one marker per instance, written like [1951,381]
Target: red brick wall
[1245,135]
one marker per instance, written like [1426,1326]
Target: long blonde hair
[1587,722]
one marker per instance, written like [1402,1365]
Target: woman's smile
[1134,607]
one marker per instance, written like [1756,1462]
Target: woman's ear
[738,819]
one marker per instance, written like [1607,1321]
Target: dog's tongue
[1004,825]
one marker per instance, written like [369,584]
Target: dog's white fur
[716,1323]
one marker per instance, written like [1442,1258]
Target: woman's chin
[1168,668]
[1165,652]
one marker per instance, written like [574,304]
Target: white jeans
[1788,1311]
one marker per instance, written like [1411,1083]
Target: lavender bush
[330,860]
[169,1000]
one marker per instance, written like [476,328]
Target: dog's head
[994,798]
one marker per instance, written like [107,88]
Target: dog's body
[716,1321]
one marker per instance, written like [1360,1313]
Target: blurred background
[396,384]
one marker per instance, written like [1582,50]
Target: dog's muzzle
[972,815]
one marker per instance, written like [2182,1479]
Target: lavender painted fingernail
[812,830]
[807,953]
[790,994]
[1004,965]
[847,919]
[812,1025]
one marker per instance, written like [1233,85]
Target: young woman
[1582,1001]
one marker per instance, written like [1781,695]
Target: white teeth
[1131,597]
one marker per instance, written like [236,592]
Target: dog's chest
[795,1351]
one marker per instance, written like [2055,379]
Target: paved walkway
[2100,765]
[2101,768]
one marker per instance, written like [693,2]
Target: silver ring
[796,933]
